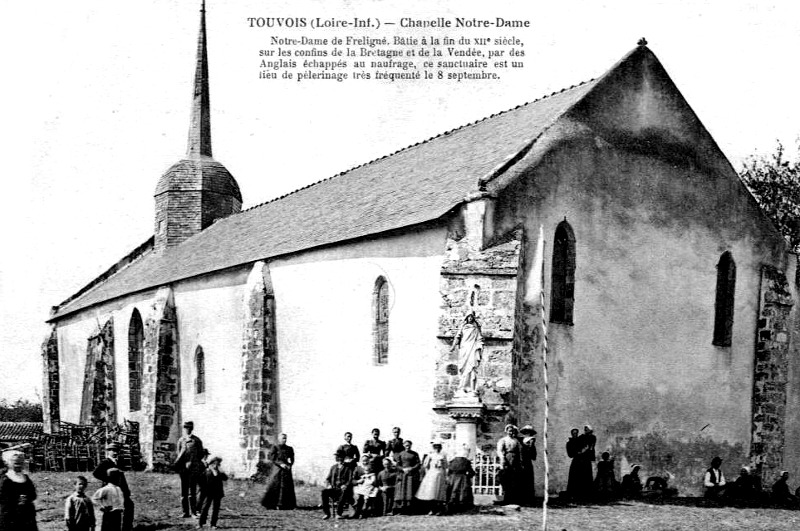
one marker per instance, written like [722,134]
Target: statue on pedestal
[469,342]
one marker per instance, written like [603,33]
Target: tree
[774,181]
[22,410]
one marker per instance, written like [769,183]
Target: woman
[459,489]
[510,452]
[407,478]
[433,488]
[527,439]
[580,482]
[375,448]
[280,485]
[17,494]
[395,445]
[632,483]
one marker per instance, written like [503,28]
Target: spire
[200,126]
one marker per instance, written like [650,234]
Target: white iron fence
[485,481]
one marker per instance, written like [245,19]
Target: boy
[78,510]
[111,501]
[213,491]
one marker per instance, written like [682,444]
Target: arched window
[200,371]
[380,326]
[135,362]
[562,299]
[723,312]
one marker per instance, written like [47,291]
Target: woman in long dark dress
[280,485]
[17,494]
[576,476]
[527,439]
[408,464]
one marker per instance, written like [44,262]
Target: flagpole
[546,397]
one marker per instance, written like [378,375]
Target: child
[213,491]
[111,501]
[78,510]
[385,482]
[364,490]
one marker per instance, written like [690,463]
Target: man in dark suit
[350,451]
[101,473]
[338,487]
[189,464]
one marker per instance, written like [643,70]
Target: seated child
[364,489]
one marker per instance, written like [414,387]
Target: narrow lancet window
[723,312]
[200,371]
[562,298]
[135,361]
[380,327]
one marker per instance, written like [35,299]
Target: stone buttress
[258,414]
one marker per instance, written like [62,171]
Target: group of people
[112,499]
[747,487]
[383,478]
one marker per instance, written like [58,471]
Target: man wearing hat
[101,473]
[189,464]
[338,488]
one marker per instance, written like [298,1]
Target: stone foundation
[771,373]
[258,420]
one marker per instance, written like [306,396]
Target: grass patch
[157,498]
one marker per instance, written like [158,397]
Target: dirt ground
[157,498]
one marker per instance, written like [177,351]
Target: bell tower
[197,190]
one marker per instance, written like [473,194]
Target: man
[189,464]
[714,480]
[101,473]
[350,451]
[337,487]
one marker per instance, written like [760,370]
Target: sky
[95,100]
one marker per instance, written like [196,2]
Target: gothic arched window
[200,371]
[380,322]
[135,361]
[723,309]
[562,299]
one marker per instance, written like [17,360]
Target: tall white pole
[544,377]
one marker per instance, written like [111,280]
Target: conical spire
[200,127]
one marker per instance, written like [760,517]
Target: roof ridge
[445,133]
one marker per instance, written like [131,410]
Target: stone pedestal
[467,411]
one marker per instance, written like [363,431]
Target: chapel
[620,273]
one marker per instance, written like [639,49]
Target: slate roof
[414,185]
[20,431]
